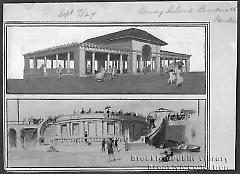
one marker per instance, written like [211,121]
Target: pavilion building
[129,51]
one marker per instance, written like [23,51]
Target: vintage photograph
[105,133]
[119,86]
[151,59]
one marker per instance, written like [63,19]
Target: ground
[194,83]
[80,157]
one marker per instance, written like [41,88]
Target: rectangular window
[110,128]
[49,63]
[64,130]
[75,129]
[31,63]
[71,63]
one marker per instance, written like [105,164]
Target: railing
[49,71]
[81,140]
[104,115]
[21,123]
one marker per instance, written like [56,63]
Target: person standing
[85,137]
[126,145]
[44,70]
[59,72]
[110,149]
[116,144]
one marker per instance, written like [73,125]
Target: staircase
[153,132]
[50,133]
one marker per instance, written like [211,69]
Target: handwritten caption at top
[82,13]
[202,9]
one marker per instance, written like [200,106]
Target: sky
[45,108]
[20,40]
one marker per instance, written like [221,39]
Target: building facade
[129,51]
[93,127]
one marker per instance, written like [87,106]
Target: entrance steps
[50,133]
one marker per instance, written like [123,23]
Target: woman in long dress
[126,145]
[110,149]
[178,77]
[100,75]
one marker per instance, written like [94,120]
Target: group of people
[51,119]
[43,70]
[111,145]
[106,75]
[175,76]
[178,117]
[32,120]
[82,111]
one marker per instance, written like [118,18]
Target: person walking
[110,149]
[103,144]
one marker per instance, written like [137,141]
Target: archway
[146,56]
[29,137]
[12,138]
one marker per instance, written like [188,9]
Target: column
[68,130]
[93,62]
[79,62]
[45,60]
[34,62]
[56,60]
[188,65]
[151,63]
[163,65]
[141,63]
[108,60]
[51,63]
[132,63]
[71,128]
[102,124]
[68,62]
[81,128]
[86,127]
[18,139]
[121,64]
[158,60]
[105,128]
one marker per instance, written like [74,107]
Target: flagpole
[18,110]
[198,107]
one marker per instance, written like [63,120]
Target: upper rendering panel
[103,59]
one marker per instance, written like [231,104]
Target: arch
[146,52]
[12,138]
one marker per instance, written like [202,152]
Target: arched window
[146,52]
